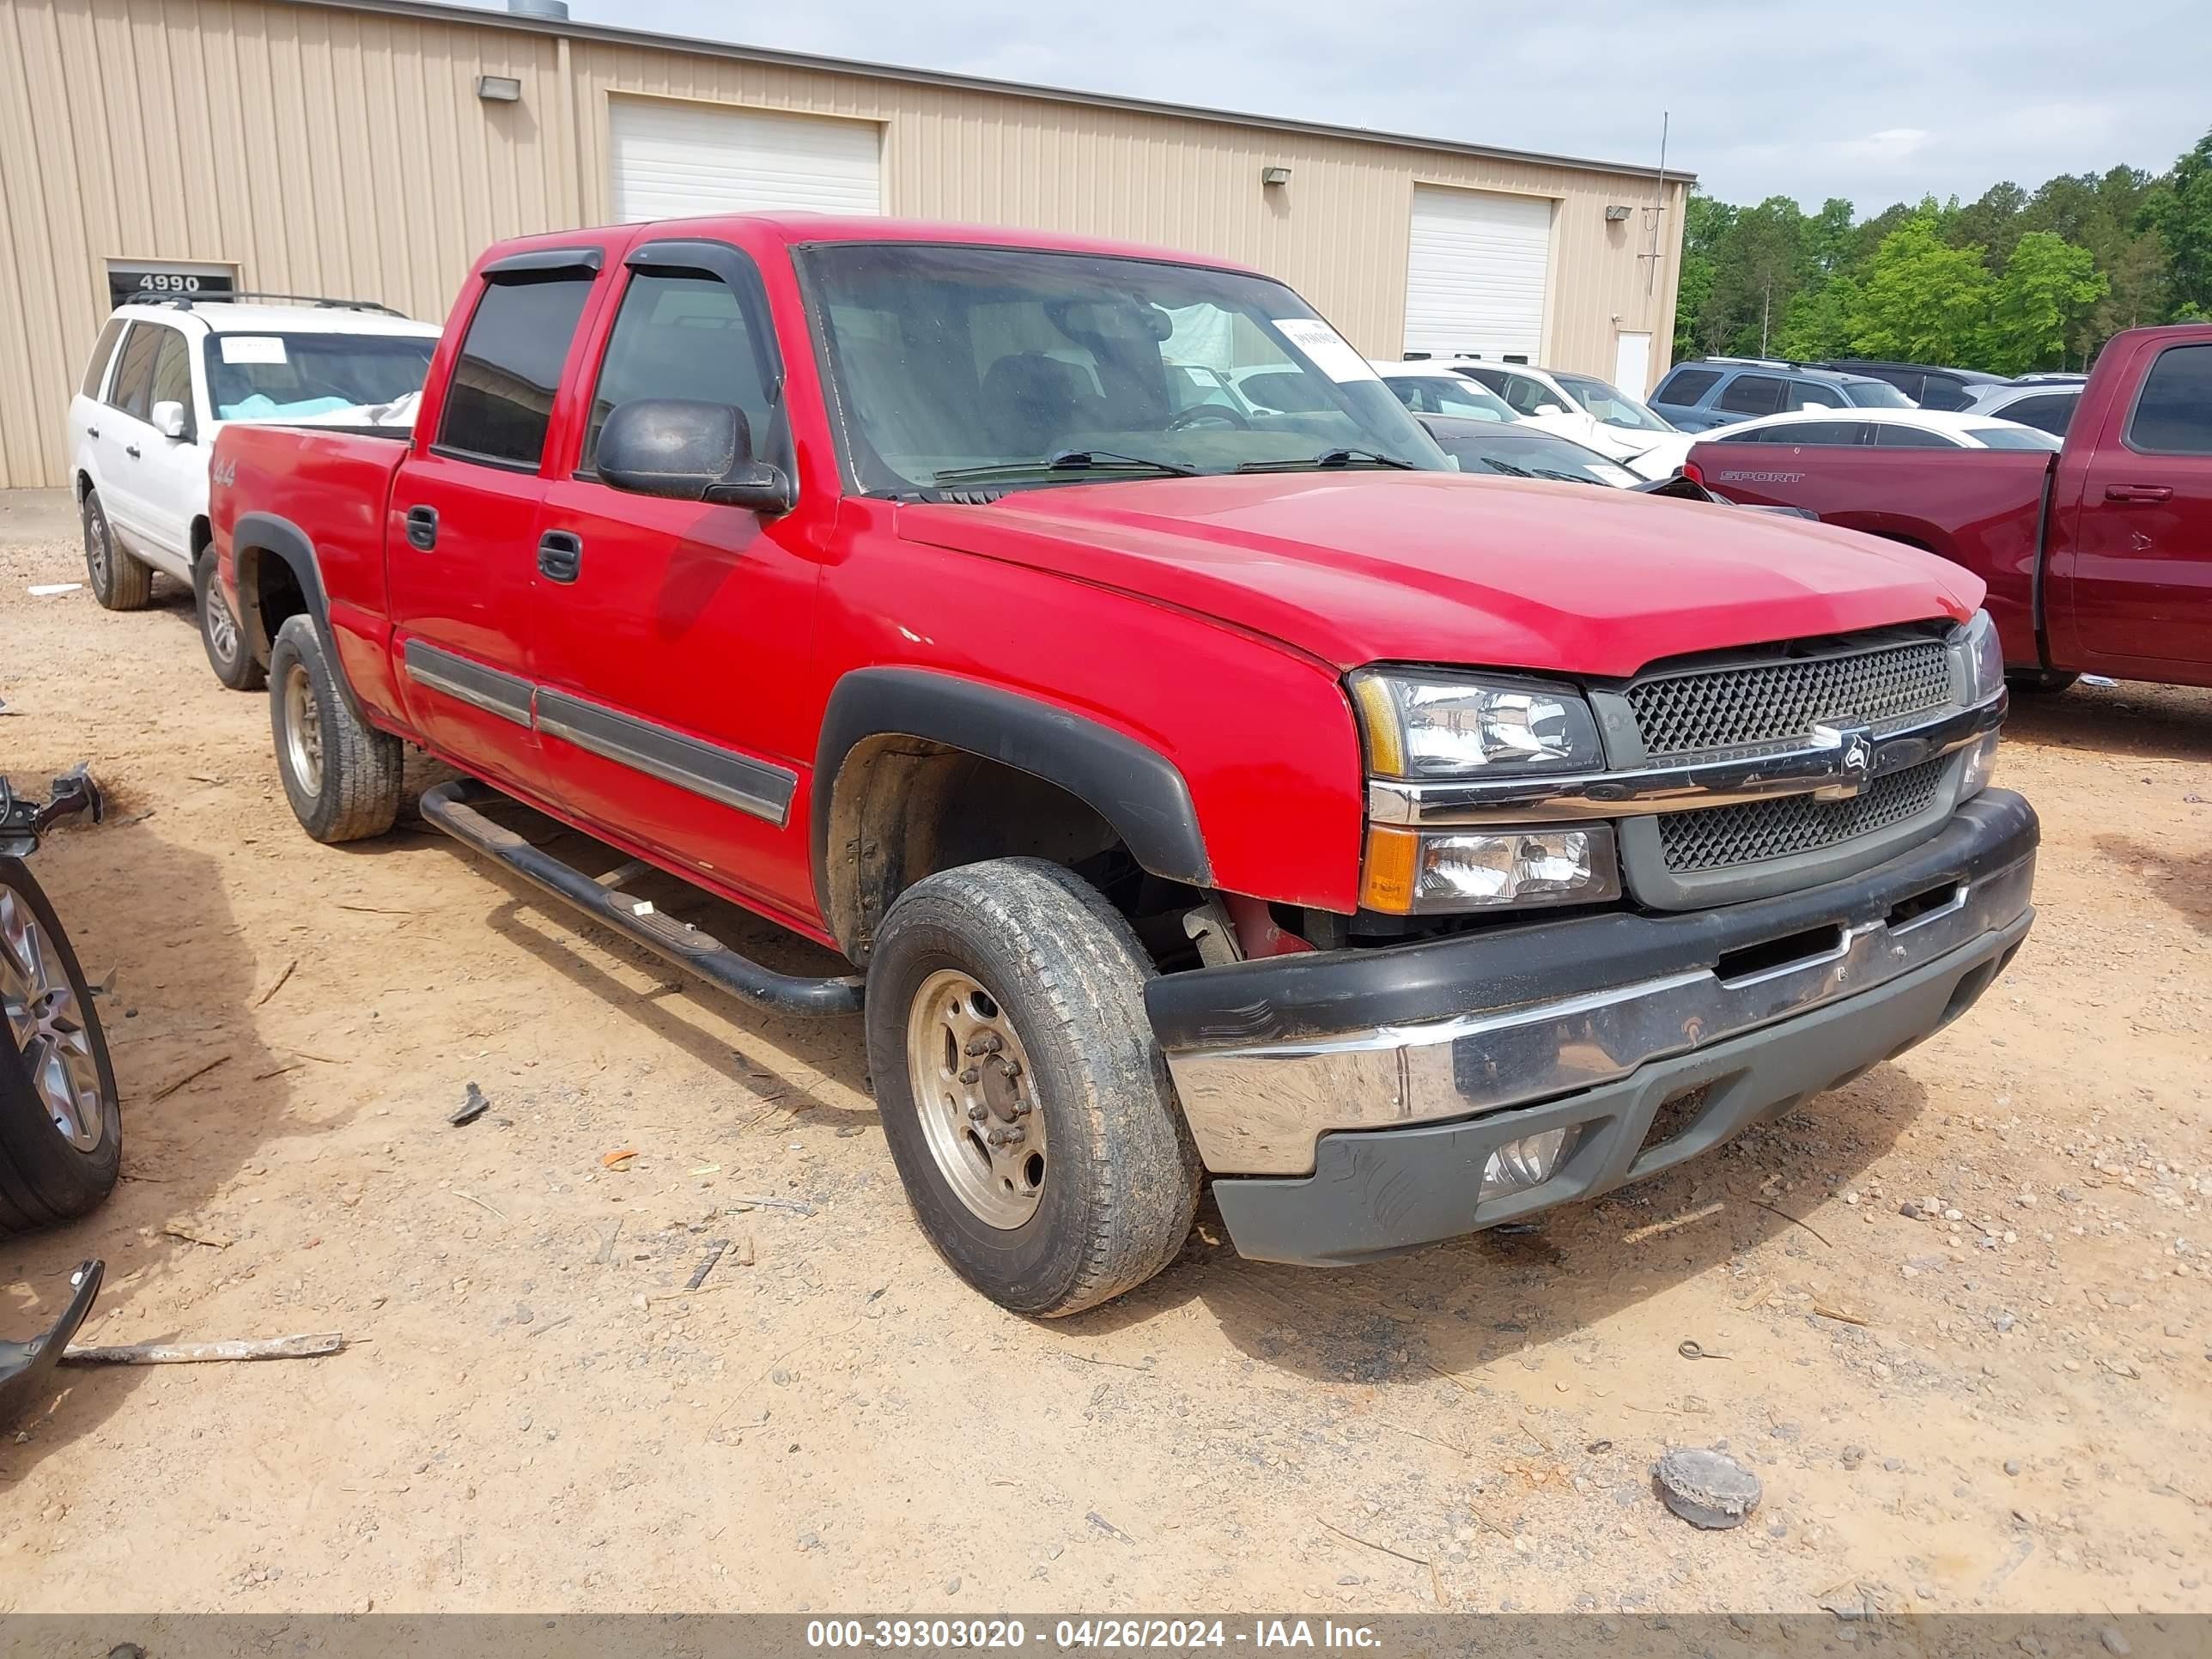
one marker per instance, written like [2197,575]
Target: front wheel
[61,1124]
[1023,1099]
[341,773]
[227,653]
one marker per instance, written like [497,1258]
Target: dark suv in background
[1722,391]
[1926,384]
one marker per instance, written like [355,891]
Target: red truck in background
[1202,793]
[2099,559]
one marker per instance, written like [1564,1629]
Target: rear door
[125,430]
[672,651]
[1749,396]
[463,558]
[2140,580]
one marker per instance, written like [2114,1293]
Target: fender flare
[1137,790]
[271,536]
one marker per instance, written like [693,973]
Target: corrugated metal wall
[336,151]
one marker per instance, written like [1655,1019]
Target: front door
[1631,363]
[462,538]
[2139,582]
[125,429]
[672,651]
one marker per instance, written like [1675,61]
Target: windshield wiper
[1069,460]
[1331,457]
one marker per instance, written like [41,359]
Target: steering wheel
[1198,414]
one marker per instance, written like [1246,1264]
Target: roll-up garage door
[1478,268]
[671,160]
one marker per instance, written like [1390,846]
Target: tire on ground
[44,1177]
[239,670]
[1121,1184]
[120,581]
[357,794]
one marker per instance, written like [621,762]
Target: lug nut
[1012,1066]
[970,1075]
[997,1137]
[988,1043]
[1016,1135]
[977,1113]
[1022,1109]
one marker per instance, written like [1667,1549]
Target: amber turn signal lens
[1392,866]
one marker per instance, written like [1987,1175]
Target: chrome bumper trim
[1827,767]
[1258,1109]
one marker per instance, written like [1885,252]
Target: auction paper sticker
[1331,352]
[251,349]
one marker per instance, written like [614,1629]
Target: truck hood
[1355,568]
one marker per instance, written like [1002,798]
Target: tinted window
[678,335]
[95,372]
[1942,391]
[1751,394]
[1686,386]
[173,375]
[2048,413]
[1528,396]
[132,390]
[1875,394]
[2173,415]
[1805,394]
[1891,436]
[1826,433]
[501,393]
[1448,394]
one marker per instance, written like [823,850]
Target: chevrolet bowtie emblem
[1854,750]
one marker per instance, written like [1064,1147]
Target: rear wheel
[61,1125]
[119,581]
[1025,1103]
[341,773]
[227,653]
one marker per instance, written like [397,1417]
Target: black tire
[350,791]
[45,1177]
[120,581]
[2041,683]
[237,668]
[1116,1201]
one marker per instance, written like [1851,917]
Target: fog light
[1408,873]
[1981,764]
[1520,1165]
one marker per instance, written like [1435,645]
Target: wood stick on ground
[713,1255]
[1793,1221]
[196,1353]
[1436,1579]
[193,1235]
[168,1089]
[1652,1230]
[744,1201]
[262,1000]
[479,1203]
[1828,1311]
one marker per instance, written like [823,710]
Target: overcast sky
[1878,100]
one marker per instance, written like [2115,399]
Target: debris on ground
[473,1106]
[1706,1488]
[618,1160]
[738,1207]
[713,1255]
[200,1354]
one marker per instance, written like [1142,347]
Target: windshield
[1611,405]
[1021,367]
[1448,394]
[1527,452]
[294,377]
[1876,394]
[2013,437]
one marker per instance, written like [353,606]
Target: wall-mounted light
[501,89]
[1615,214]
[1274,175]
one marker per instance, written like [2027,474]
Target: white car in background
[2046,405]
[1591,411]
[165,377]
[1877,429]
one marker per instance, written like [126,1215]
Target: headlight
[1981,764]
[1413,872]
[1983,653]
[1423,726]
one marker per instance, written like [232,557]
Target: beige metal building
[369,148]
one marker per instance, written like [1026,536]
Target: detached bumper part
[27,1369]
[1360,1104]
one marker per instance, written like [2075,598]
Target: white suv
[165,377]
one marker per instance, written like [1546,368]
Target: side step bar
[452,807]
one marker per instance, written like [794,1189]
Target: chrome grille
[1721,837]
[1765,703]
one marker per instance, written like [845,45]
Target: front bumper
[1355,1095]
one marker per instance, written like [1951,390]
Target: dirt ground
[530,1413]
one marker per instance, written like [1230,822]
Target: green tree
[1819,323]
[1921,299]
[1992,222]
[2181,210]
[1703,222]
[2046,292]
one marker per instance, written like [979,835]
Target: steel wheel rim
[303,729]
[972,1082]
[48,1025]
[95,547]
[222,628]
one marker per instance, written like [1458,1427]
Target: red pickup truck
[1200,790]
[2098,558]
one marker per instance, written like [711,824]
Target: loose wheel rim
[222,628]
[972,1085]
[47,1023]
[95,548]
[303,729]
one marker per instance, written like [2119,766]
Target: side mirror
[686,451]
[168,418]
[1549,409]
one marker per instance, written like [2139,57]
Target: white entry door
[672,160]
[1478,266]
[1632,365]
